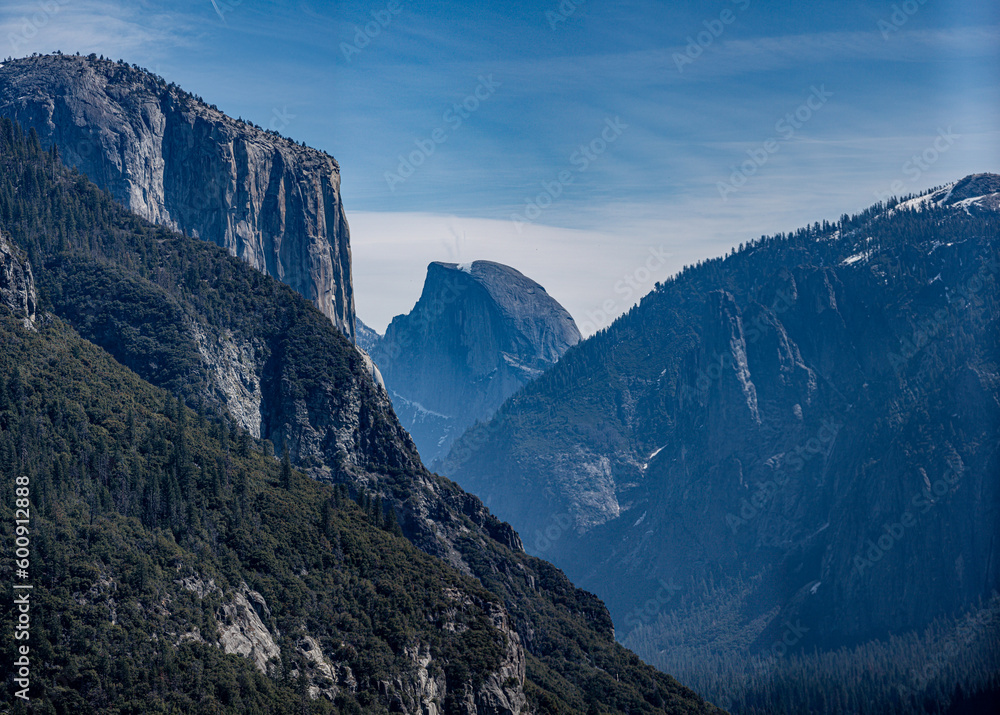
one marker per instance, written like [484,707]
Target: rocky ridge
[17,284]
[478,333]
[803,422]
[320,399]
[179,162]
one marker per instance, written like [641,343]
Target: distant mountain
[176,161]
[366,338]
[181,564]
[479,332]
[796,446]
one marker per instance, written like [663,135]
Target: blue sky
[602,131]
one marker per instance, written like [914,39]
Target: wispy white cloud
[727,57]
[657,186]
[136,32]
[597,274]
[587,250]
[759,54]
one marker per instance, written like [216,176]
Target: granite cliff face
[176,161]
[478,333]
[804,432]
[245,628]
[17,284]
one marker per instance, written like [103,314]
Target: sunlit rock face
[174,160]
[479,332]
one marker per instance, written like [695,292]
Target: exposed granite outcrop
[241,630]
[419,690]
[478,333]
[234,368]
[174,160]
[17,284]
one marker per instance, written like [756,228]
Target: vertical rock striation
[478,333]
[17,284]
[174,160]
[769,422]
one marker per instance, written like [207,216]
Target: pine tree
[243,444]
[392,523]
[326,517]
[286,468]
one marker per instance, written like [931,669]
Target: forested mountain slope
[796,445]
[479,332]
[123,471]
[176,568]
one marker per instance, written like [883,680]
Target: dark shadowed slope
[794,446]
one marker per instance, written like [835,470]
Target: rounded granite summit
[549,327]
[479,332]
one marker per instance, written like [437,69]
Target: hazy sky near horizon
[596,146]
